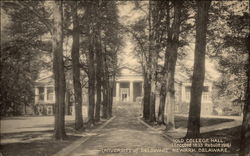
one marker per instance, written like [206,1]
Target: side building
[45,97]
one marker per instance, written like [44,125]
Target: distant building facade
[129,85]
[128,88]
[45,97]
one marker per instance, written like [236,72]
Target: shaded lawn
[44,147]
[231,135]
[40,143]
[181,122]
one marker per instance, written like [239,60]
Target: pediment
[128,71]
[46,80]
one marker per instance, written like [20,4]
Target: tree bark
[153,65]
[171,93]
[112,84]
[245,128]
[193,130]
[105,87]
[76,70]
[91,85]
[98,79]
[91,62]
[161,111]
[58,69]
[146,97]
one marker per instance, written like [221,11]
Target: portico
[129,85]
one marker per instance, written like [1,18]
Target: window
[50,93]
[205,96]
[41,93]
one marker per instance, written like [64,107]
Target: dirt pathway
[125,135]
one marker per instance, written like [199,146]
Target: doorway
[124,94]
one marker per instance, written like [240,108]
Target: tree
[245,128]
[90,11]
[111,42]
[58,69]
[21,53]
[99,71]
[199,69]
[76,68]
[167,82]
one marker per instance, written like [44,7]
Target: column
[142,88]
[131,91]
[54,95]
[45,93]
[117,91]
[36,95]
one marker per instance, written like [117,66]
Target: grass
[42,147]
[230,134]
[39,143]
[181,122]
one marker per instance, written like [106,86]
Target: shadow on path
[125,135]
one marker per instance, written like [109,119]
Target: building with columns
[45,96]
[129,85]
[128,88]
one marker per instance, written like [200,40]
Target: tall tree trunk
[199,69]
[105,101]
[67,101]
[98,79]
[91,85]
[105,87]
[171,95]
[109,99]
[91,63]
[76,70]
[146,97]
[153,65]
[163,90]
[173,50]
[112,84]
[245,128]
[161,111]
[58,69]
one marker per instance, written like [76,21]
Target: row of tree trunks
[76,69]
[193,130]
[58,70]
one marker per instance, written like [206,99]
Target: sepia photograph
[125,78]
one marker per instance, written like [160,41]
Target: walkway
[125,135]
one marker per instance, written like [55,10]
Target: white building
[128,88]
